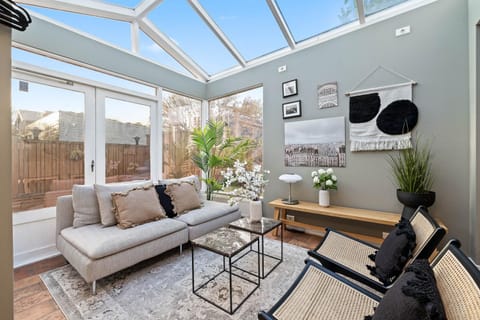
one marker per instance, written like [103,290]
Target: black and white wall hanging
[315,143]
[327,95]
[382,118]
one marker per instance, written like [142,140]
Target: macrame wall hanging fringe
[13,15]
[354,90]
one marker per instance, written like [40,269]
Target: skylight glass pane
[309,18]
[108,30]
[182,24]
[154,52]
[248,24]
[374,6]
[56,65]
[124,3]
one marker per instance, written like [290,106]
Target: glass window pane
[183,25]
[112,31]
[312,17]
[373,6]
[180,116]
[47,143]
[249,24]
[127,138]
[44,62]
[154,52]
[243,115]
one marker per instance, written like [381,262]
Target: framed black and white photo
[289,88]
[315,143]
[292,109]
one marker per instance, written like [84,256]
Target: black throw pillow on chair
[165,200]
[413,297]
[393,254]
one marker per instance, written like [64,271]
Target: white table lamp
[290,178]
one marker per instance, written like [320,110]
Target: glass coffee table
[261,228]
[228,243]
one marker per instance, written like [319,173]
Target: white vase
[323,198]
[255,211]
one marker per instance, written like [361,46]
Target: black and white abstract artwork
[315,143]
[382,119]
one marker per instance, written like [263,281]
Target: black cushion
[394,253]
[165,200]
[413,297]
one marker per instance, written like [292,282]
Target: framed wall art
[315,143]
[327,95]
[292,109]
[289,88]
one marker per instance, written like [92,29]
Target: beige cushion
[193,179]
[104,198]
[184,196]
[85,206]
[97,242]
[137,206]
[210,210]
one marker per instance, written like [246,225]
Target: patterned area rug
[161,288]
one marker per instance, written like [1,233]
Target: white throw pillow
[193,179]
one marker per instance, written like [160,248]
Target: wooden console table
[353,214]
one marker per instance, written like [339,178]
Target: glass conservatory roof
[207,39]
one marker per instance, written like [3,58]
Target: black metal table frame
[230,272]
[262,253]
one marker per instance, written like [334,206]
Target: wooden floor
[33,301]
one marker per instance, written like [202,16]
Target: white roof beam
[88,7]
[134,35]
[172,49]
[145,7]
[218,32]
[361,11]
[277,14]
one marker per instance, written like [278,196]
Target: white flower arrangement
[244,184]
[324,179]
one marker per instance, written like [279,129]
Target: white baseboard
[38,254]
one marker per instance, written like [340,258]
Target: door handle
[92,165]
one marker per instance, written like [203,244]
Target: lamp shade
[290,178]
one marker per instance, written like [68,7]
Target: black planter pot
[411,201]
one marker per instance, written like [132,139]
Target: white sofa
[96,251]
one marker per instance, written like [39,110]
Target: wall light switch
[402,31]
[282,68]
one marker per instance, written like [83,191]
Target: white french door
[124,137]
[66,132]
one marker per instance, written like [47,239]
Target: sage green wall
[474,76]
[49,37]
[6,245]
[435,54]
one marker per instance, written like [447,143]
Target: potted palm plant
[412,171]
[213,151]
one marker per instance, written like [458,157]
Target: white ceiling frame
[277,14]
[172,49]
[145,7]
[134,30]
[88,7]
[361,11]
[218,32]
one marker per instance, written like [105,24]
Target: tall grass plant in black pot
[412,171]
